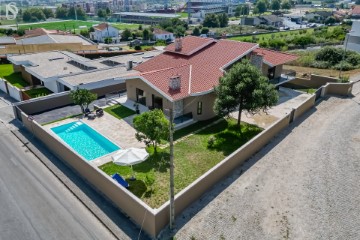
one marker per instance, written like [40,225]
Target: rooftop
[7,40]
[205,66]
[200,64]
[356,10]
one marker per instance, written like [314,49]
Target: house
[160,34]
[183,77]
[62,71]
[355,12]
[313,17]
[270,20]
[104,31]
[352,40]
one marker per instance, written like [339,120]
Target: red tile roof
[201,71]
[356,10]
[101,26]
[273,58]
[206,66]
[160,79]
[190,45]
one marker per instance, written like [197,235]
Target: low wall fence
[11,90]
[3,85]
[154,220]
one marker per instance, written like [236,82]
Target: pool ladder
[76,125]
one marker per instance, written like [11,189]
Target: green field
[62,25]
[130,26]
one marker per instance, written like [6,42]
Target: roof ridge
[163,69]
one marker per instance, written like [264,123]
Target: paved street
[303,185]
[34,204]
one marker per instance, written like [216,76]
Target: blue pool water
[84,140]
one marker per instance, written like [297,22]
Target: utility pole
[172,202]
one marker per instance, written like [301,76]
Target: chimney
[129,65]
[256,59]
[175,82]
[178,44]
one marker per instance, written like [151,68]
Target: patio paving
[288,99]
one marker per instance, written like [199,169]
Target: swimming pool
[84,140]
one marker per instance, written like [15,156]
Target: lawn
[38,92]
[62,25]
[192,158]
[130,26]
[119,111]
[15,79]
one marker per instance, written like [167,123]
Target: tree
[151,127]
[140,27]
[83,98]
[80,14]
[275,5]
[107,11]
[261,6]
[101,13]
[33,14]
[196,31]
[204,30]
[108,40]
[91,29]
[244,87]
[48,13]
[242,10]
[125,35]
[211,21]
[285,4]
[84,33]
[146,34]
[223,19]
[61,13]
[330,20]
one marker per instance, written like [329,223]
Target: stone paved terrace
[119,131]
[288,99]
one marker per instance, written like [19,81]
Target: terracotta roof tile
[356,10]
[274,58]
[206,65]
[190,45]
[101,26]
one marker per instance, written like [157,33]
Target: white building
[352,40]
[103,31]
[160,34]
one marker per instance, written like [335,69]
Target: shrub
[211,142]
[330,54]
[344,79]
[344,66]
[137,47]
[320,64]
[353,58]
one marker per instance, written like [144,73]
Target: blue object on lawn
[120,180]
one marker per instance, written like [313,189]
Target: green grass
[192,159]
[130,26]
[192,128]
[307,90]
[15,79]
[63,25]
[183,14]
[119,111]
[38,92]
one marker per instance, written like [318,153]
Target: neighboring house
[355,12]
[103,31]
[270,20]
[159,34]
[61,71]
[314,17]
[184,76]
[352,40]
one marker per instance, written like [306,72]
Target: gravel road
[303,185]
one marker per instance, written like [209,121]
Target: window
[199,108]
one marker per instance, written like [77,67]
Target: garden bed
[193,157]
[119,111]
[38,92]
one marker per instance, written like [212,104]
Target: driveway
[303,185]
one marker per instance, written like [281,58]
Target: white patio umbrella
[130,157]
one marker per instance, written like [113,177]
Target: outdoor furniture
[87,112]
[99,112]
[120,180]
